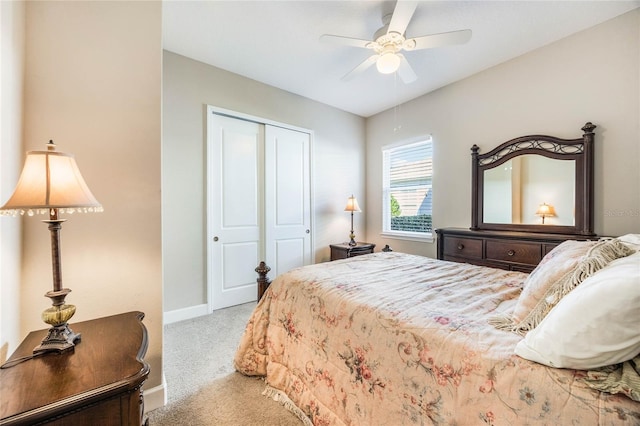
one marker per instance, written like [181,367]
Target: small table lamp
[545,210]
[352,206]
[51,183]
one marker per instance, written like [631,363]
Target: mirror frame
[580,150]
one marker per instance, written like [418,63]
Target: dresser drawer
[547,248]
[516,252]
[466,247]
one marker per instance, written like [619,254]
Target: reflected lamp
[545,210]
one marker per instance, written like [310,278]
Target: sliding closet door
[258,204]
[235,209]
[287,199]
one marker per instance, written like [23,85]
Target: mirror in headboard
[535,183]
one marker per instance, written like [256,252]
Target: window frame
[386,213]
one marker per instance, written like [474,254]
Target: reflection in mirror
[515,190]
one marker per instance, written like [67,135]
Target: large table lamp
[352,206]
[51,183]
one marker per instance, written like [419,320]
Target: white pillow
[596,324]
[631,240]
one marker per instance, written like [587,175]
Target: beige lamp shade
[352,205]
[50,180]
[545,210]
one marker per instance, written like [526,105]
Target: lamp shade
[352,205]
[545,210]
[50,180]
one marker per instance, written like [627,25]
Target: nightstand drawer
[467,247]
[344,251]
[359,251]
[517,252]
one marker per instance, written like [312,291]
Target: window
[406,190]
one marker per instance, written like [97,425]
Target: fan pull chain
[396,108]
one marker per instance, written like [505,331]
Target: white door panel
[239,155]
[235,158]
[289,254]
[287,199]
[241,260]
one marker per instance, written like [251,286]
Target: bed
[397,339]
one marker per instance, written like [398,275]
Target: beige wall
[93,85]
[12,20]
[593,76]
[337,165]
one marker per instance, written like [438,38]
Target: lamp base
[59,339]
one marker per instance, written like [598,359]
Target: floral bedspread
[397,339]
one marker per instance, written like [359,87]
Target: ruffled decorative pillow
[631,240]
[559,272]
[595,325]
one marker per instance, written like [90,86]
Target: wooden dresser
[97,383]
[516,251]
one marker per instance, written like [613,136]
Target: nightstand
[344,250]
[98,382]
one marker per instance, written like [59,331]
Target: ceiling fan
[390,40]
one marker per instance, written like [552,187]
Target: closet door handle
[215,238]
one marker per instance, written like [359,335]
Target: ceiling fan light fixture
[388,63]
[390,40]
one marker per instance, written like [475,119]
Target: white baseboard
[185,313]
[155,397]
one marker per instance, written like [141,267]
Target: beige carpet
[202,385]
[231,400]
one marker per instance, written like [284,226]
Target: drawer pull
[511,253]
[460,246]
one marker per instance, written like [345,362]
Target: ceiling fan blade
[344,41]
[402,14]
[361,68]
[406,73]
[437,40]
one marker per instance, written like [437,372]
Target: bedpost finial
[589,127]
[474,149]
[262,280]
[262,269]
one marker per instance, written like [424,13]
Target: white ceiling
[277,42]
